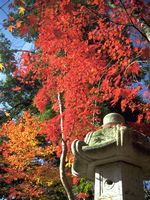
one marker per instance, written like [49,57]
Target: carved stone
[115,147]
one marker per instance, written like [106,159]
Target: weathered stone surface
[122,149]
[113,118]
[112,127]
[111,144]
[106,135]
[118,181]
[117,151]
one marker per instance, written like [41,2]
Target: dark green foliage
[83,2]
[48,113]
[15,100]
[57,192]
[3,117]
[7,57]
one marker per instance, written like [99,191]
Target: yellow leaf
[21,10]
[38,180]
[10,28]
[7,114]
[68,164]
[1,66]
[33,143]
[18,24]
[49,183]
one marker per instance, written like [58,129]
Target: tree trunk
[63,176]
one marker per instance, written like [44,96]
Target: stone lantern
[116,158]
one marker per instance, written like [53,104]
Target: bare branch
[63,176]
[145,27]
[143,34]
[61,115]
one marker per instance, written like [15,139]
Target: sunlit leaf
[21,10]
[18,24]
[7,114]
[49,183]
[68,163]
[1,66]
[10,28]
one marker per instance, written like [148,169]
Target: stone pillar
[116,158]
[118,181]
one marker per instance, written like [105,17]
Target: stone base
[118,181]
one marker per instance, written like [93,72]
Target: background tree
[25,170]
[16,95]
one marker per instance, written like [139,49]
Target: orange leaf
[10,28]
[18,24]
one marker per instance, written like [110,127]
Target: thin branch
[93,118]
[61,115]
[133,22]
[104,15]
[120,24]
[63,176]
[98,86]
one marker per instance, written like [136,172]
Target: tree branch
[63,176]
[145,27]
[143,34]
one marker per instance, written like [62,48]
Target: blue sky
[16,42]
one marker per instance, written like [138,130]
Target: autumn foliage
[88,53]
[21,158]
